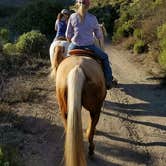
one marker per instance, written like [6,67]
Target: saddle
[84,52]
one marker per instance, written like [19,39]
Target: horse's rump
[94,78]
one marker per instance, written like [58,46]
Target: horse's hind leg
[62,101]
[91,130]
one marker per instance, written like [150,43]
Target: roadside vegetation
[26,33]
[139,26]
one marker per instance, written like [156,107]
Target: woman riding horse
[80,29]
[80,83]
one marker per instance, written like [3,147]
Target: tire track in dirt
[136,108]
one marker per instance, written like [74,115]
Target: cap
[65,11]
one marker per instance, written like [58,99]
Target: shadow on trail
[155,125]
[123,153]
[112,137]
[153,104]
[97,160]
[37,140]
[151,94]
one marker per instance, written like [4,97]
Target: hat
[85,2]
[65,11]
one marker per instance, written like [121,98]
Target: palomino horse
[79,83]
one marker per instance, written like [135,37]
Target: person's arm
[69,31]
[56,25]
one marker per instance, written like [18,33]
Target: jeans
[100,54]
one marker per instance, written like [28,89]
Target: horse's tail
[74,151]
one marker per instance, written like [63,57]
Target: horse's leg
[62,101]
[91,130]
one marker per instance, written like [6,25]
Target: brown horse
[79,82]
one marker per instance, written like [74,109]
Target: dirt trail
[131,130]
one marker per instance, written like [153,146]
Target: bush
[129,43]
[1,45]
[31,42]
[125,30]
[140,47]
[4,34]
[9,49]
[9,156]
[161,34]
[161,31]
[138,33]
[162,59]
[106,14]
[38,15]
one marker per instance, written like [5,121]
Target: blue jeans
[100,54]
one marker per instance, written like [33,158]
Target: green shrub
[125,30]
[162,59]
[106,14]
[161,34]
[161,31]
[140,47]
[163,44]
[4,34]
[1,45]
[138,33]
[38,15]
[129,43]
[31,42]
[9,49]
[9,156]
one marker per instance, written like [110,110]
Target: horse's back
[94,86]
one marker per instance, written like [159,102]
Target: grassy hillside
[14,2]
[142,28]
[140,25]
[19,3]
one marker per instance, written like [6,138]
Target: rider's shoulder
[91,15]
[73,15]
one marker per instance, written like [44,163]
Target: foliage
[31,42]
[125,30]
[129,43]
[107,15]
[140,47]
[7,10]
[162,59]
[38,15]
[9,156]
[4,34]
[138,33]
[9,49]
[1,45]
[161,33]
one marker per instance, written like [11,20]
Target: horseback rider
[61,24]
[80,29]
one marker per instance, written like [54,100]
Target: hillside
[14,2]
[131,130]
[19,3]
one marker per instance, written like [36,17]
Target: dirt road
[131,130]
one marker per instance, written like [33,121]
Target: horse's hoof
[91,149]
[91,153]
